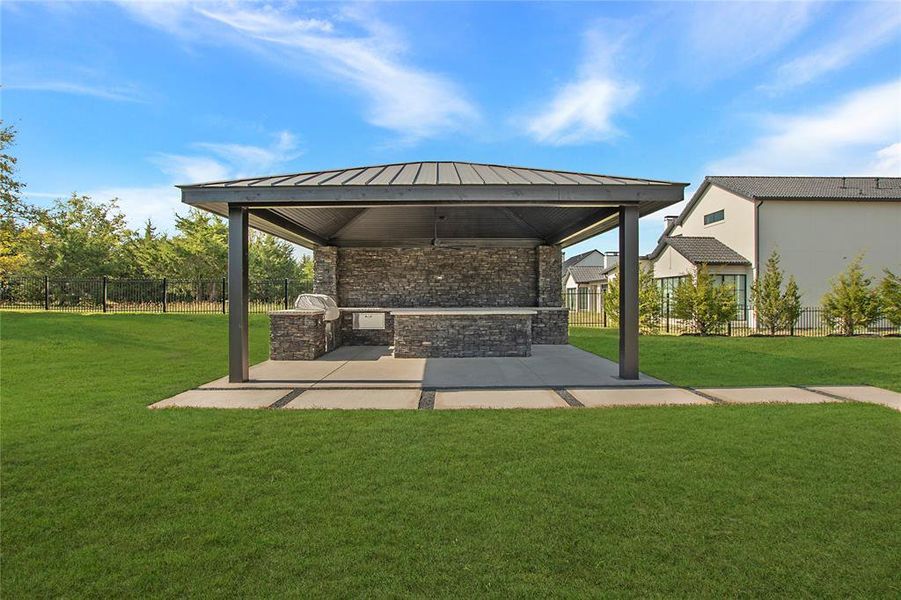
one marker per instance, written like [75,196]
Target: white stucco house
[585,279]
[817,224]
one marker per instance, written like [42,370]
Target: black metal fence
[587,310]
[143,295]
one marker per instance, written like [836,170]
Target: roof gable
[575,260]
[589,274]
[705,250]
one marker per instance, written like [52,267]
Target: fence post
[46,292]
[165,294]
[224,283]
[729,328]
[286,293]
[104,286]
[667,315]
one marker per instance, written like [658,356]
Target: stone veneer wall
[325,271]
[549,260]
[442,336]
[299,336]
[366,337]
[551,327]
[429,276]
[418,277]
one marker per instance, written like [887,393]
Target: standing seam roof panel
[447,174]
[407,175]
[387,175]
[428,174]
[468,175]
[488,174]
[509,176]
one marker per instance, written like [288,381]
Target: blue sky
[125,99]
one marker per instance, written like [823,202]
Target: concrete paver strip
[531,398]
[352,399]
[383,371]
[650,396]
[223,399]
[863,393]
[752,395]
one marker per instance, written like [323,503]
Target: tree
[851,303]
[151,254]
[776,309]
[650,300]
[15,215]
[890,298]
[272,258]
[199,249]
[704,304]
[78,237]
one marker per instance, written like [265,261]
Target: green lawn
[102,497]
[738,361]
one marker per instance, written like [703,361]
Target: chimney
[669,220]
[610,259]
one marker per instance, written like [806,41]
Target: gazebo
[367,221]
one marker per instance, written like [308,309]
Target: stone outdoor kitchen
[432,259]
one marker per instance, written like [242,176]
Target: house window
[739,282]
[668,285]
[583,298]
[714,217]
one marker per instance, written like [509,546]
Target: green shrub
[650,300]
[890,298]
[852,303]
[705,305]
[775,309]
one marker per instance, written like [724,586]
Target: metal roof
[812,188]
[429,203]
[430,173]
[705,250]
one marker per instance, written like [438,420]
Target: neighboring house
[817,224]
[585,279]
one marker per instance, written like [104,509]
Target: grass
[745,361]
[102,497]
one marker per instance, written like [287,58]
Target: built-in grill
[319,302]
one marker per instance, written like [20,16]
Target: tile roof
[433,173]
[705,250]
[589,274]
[822,188]
[574,260]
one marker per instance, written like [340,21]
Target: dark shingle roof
[706,250]
[821,188]
[589,274]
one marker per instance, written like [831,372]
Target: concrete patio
[555,376]
[550,366]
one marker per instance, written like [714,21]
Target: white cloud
[582,110]
[875,24]
[69,79]
[138,204]
[413,102]
[212,162]
[720,38]
[888,161]
[191,169]
[858,135]
[228,160]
